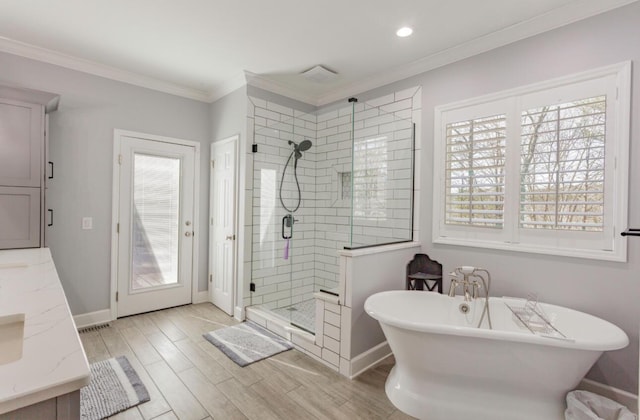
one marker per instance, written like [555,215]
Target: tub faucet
[471,288]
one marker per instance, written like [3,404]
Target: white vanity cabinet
[42,378]
[22,166]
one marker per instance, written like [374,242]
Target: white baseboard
[104,316]
[92,318]
[365,360]
[238,313]
[625,398]
[201,297]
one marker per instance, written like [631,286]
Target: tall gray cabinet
[23,168]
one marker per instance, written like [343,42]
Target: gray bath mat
[114,387]
[247,343]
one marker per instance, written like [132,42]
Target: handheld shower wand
[297,152]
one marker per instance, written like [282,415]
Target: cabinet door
[21,143]
[19,217]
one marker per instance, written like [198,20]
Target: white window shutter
[475,172]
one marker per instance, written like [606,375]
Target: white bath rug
[115,386]
[247,343]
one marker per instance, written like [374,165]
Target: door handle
[231,238]
[51,176]
[51,213]
[187,234]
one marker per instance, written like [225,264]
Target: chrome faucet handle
[453,287]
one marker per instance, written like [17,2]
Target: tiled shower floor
[301,314]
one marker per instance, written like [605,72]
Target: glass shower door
[283,221]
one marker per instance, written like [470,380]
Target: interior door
[155,239]
[222,231]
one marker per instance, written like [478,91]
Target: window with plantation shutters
[475,172]
[542,168]
[563,166]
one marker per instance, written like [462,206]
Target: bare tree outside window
[562,166]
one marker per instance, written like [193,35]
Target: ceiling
[204,49]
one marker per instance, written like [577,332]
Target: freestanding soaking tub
[448,368]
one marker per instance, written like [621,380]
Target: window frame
[614,81]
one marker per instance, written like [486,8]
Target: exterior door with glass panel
[155,234]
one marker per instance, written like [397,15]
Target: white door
[155,224]
[222,232]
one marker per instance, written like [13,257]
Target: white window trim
[477,237]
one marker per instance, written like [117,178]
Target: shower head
[302,147]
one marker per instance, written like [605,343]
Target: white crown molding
[265,83]
[553,19]
[564,15]
[45,55]
[238,81]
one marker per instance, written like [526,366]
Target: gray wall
[228,115]
[81,145]
[605,289]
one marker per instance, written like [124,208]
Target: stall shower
[339,177]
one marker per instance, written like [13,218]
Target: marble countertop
[53,361]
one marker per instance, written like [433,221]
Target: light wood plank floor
[189,379]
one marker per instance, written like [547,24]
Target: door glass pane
[156,210]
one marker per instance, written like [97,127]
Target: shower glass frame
[332,214]
[386,211]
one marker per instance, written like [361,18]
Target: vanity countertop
[53,361]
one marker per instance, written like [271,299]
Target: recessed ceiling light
[404,31]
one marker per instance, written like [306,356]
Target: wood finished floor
[190,379]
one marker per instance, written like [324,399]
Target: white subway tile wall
[381,195]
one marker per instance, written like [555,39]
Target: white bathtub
[447,369]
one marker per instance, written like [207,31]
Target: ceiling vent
[319,74]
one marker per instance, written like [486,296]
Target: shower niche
[341,177]
[341,186]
